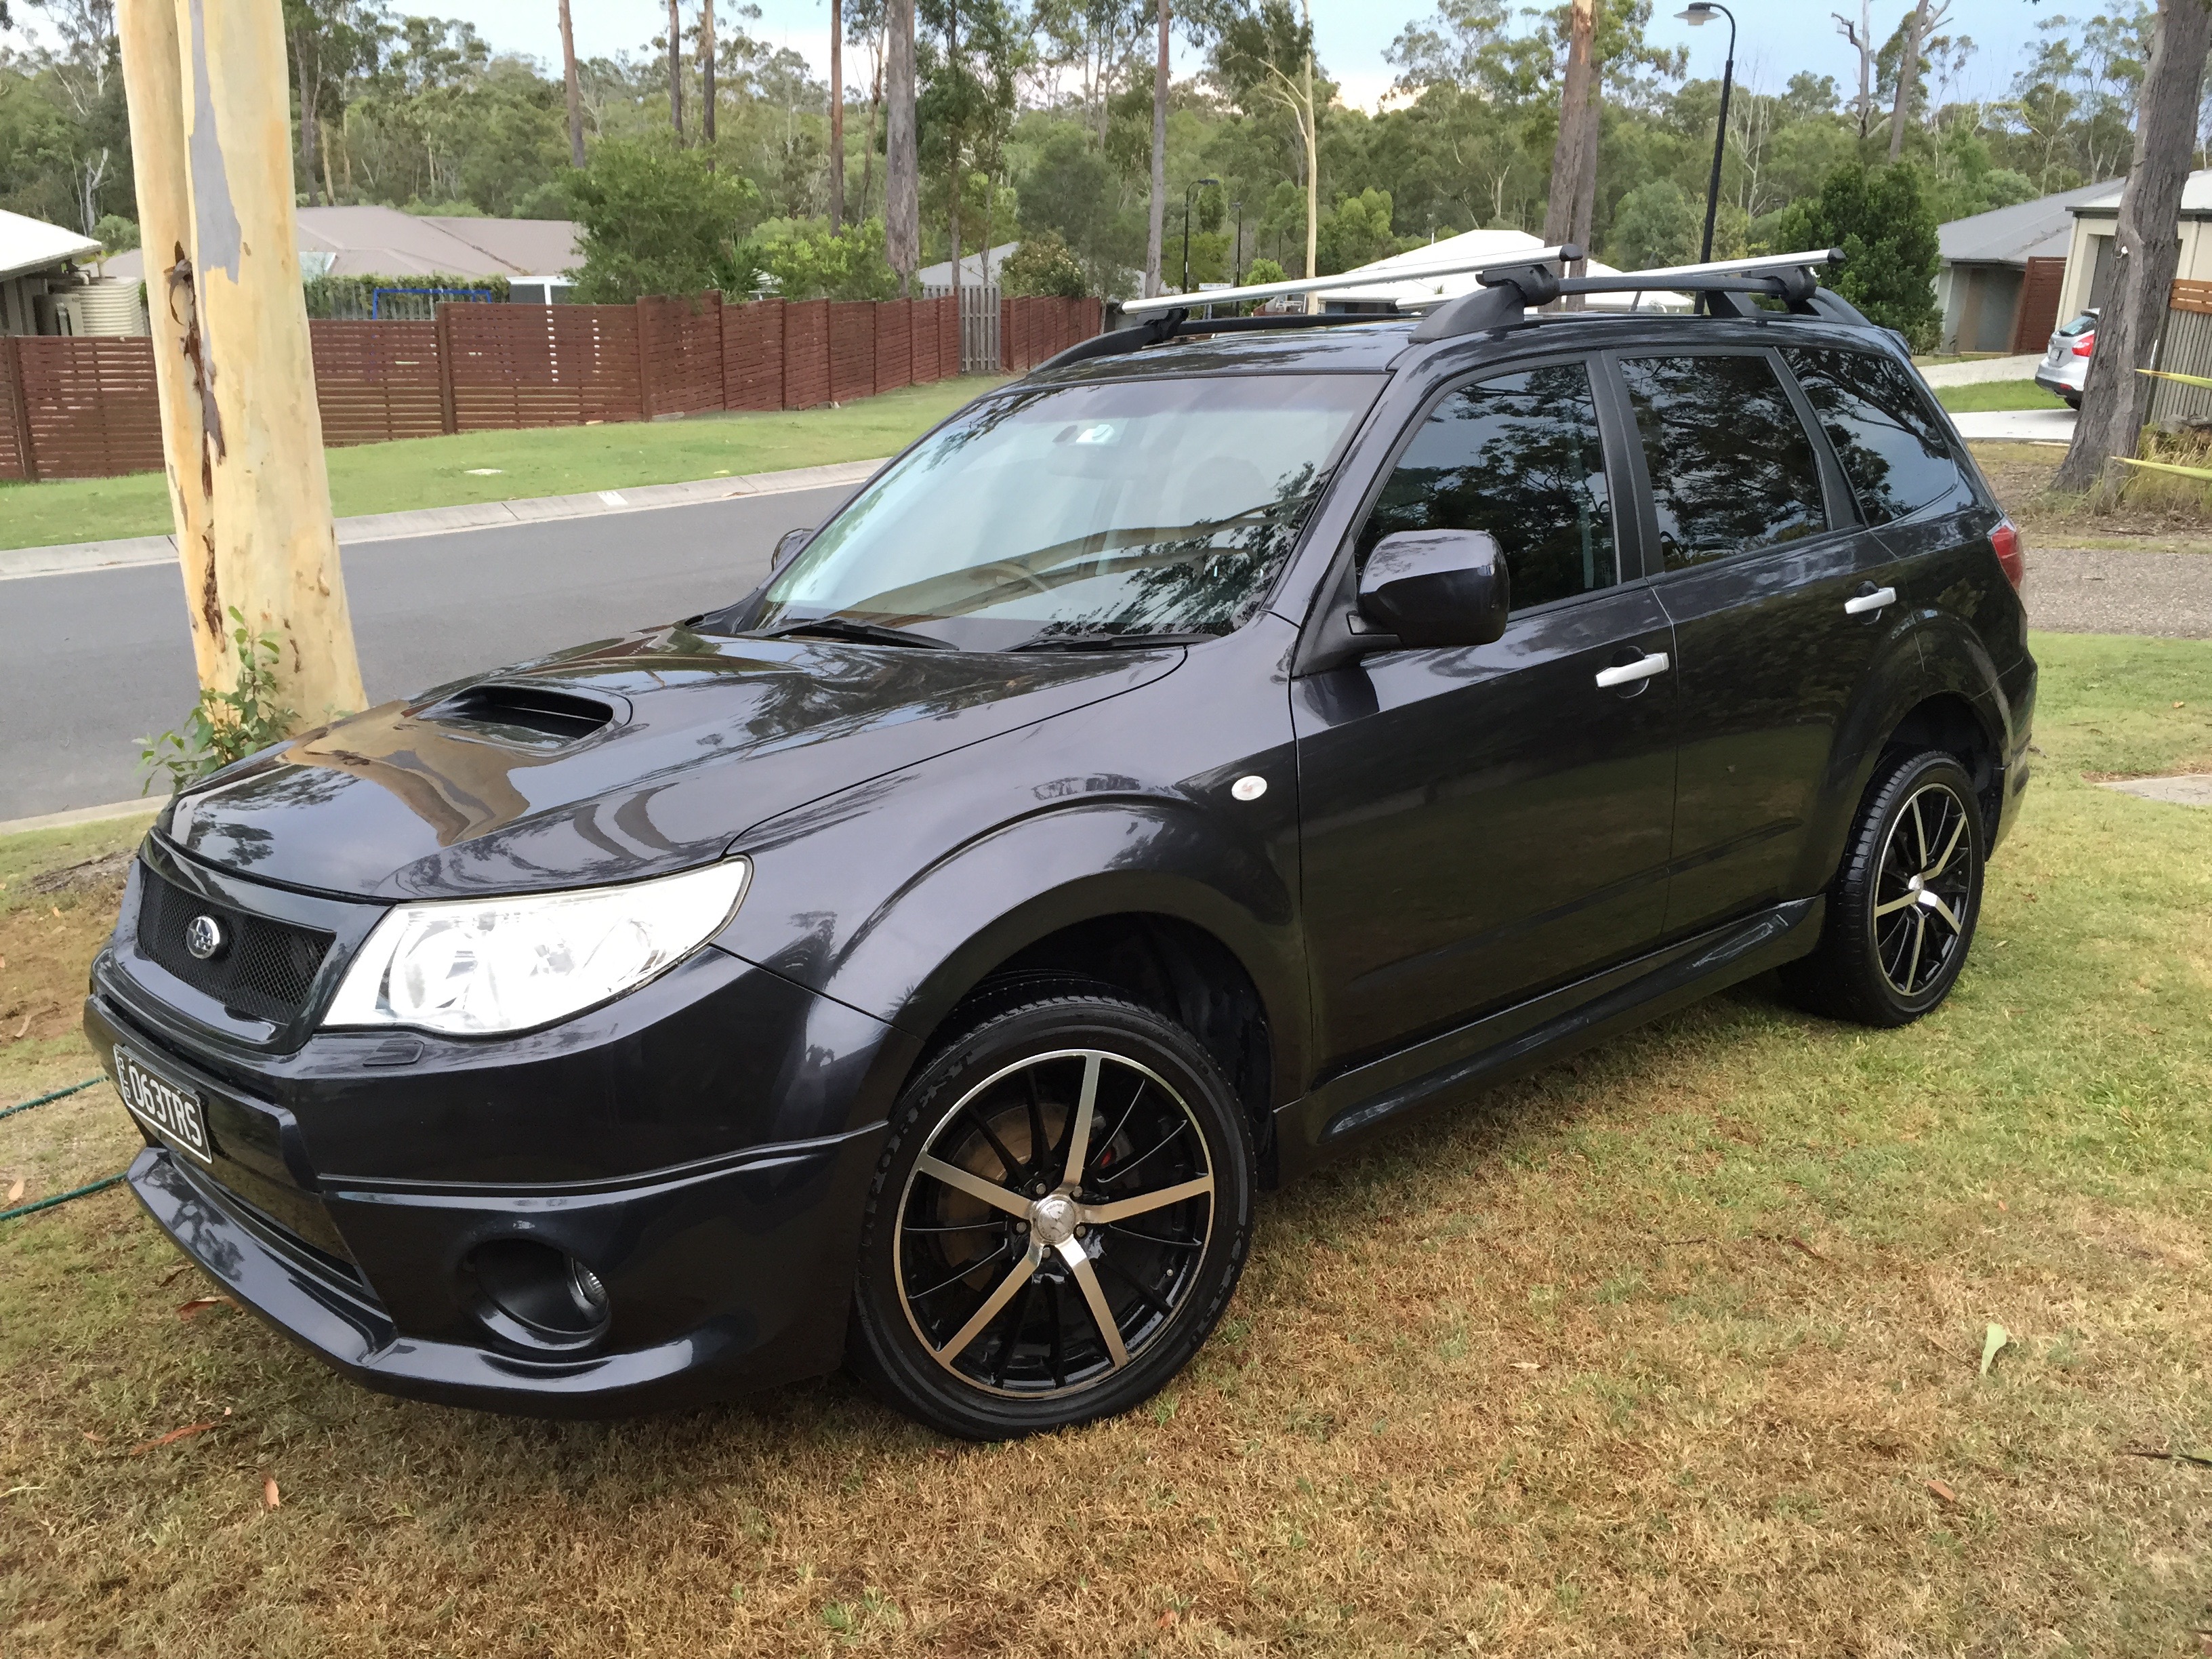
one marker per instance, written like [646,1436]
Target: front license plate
[170,1109]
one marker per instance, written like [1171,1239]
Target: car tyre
[1902,908]
[1060,1213]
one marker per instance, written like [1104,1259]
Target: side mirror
[1437,587]
[788,549]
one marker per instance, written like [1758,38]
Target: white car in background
[2066,365]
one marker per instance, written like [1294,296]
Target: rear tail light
[2004,540]
[2085,344]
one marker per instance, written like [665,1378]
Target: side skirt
[1444,1070]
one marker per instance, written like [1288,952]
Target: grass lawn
[1672,1348]
[545,461]
[1984,395]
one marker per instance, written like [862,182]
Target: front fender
[898,896]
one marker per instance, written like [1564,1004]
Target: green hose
[59,1198]
[75,1192]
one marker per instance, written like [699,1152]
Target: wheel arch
[1146,897]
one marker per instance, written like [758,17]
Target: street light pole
[1188,190]
[1699,12]
[1237,258]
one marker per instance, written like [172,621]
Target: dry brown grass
[2153,513]
[1672,1349]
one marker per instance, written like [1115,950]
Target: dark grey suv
[1231,740]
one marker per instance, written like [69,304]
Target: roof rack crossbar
[1297,285]
[1507,295]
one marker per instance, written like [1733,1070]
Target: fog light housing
[537,1296]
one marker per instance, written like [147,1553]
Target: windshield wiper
[865,633]
[1112,641]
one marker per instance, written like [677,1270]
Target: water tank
[110,305]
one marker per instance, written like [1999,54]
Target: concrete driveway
[2036,426]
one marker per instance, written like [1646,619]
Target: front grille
[264,968]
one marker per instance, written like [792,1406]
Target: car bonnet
[634,757]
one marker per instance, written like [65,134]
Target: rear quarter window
[1893,447]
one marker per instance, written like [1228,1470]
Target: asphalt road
[92,660]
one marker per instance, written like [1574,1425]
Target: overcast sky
[1775,38]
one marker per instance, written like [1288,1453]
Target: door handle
[1627,673]
[1881,599]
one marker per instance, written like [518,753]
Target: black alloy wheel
[1060,1214]
[1902,908]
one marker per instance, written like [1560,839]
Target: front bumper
[701,1146]
[757,1227]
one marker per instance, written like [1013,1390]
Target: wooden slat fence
[89,405]
[530,366]
[86,407]
[1034,328]
[2185,348]
[377,381]
[681,340]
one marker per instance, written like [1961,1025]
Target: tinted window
[1519,457]
[1892,449]
[1732,469]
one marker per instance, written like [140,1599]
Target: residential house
[2002,273]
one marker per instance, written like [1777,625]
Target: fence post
[448,411]
[644,359]
[24,453]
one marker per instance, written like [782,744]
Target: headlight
[474,966]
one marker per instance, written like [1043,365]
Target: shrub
[223,725]
[811,262]
[657,220]
[1881,219]
[1042,264]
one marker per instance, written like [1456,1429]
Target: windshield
[2081,325]
[1069,514]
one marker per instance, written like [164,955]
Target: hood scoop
[527,716]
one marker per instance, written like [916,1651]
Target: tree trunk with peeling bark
[1156,218]
[1573,200]
[574,86]
[1908,71]
[902,161]
[2116,398]
[836,116]
[152,85]
[276,548]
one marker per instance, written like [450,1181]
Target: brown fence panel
[806,354]
[14,432]
[752,355]
[1034,327]
[922,340]
[682,346]
[894,344]
[852,349]
[948,338]
[523,366]
[377,381]
[90,406]
[2037,315]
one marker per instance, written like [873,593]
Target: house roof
[382,242]
[972,269]
[33,244]
[1384,278]
[2196,197]
[2013,235]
